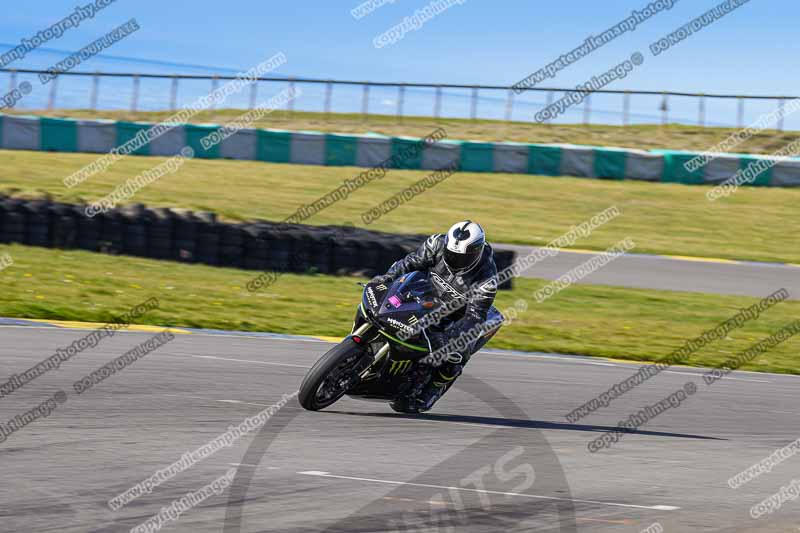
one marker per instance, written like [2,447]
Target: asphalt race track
[496,454]
[673,273]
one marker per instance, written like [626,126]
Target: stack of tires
[258,250]
[231,245]
[89,229]
[184,236]
[198,237]
[504,259]
[159,237]
[37,222]
[112,232]
[12,221]
[207,248]
[135,221]
[65,225]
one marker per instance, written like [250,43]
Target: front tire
[321,387]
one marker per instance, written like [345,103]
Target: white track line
[557,357]
[223,401]
[626,365]
[317,473]
[239,360]
[697,374]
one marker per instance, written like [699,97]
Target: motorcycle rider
[461,266]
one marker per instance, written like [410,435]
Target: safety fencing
[370,150]
[171,91]
[198,237]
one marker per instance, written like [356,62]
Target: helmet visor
[457,261]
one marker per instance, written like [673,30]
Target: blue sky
[752,50]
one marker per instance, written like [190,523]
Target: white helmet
[464,245]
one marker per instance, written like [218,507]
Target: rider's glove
[384,278]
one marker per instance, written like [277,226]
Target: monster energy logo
[371,297]
[400,367]
[412,320]
[397,323]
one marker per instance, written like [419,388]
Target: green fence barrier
[58,135]
[333,149]
[675,172]
[477,157]
[126,131]
[340,150]
[544,160]
[407,153]
[763,179]
[194,135]
[274,146]
[609,163]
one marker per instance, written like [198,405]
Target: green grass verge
[759,224]
[672,136]
[591,320]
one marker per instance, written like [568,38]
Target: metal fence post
[437,103]
[291,91]
[95,91]
[780,116]
[51,101]
[328,95]
[253,94]
[12,82]
[701,111]
[401,96]
[135,97]
[664,109]
[365,102]
[550,97]
[173,94]
[626,108]
[214,84]
[509,105]
[740,113]
[587,108]
[473,109]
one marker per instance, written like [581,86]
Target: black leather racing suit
[480,281]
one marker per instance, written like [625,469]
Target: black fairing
[400,305]
[391,308]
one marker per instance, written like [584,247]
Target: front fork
[361,329]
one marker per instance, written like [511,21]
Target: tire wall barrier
[198,237]
[314,148]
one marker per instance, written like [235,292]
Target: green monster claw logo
[400,367]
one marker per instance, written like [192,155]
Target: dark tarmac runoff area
[495,454]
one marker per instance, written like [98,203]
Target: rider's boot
[442,378]
[430,393]
[407,402]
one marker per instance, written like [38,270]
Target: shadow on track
[519,423]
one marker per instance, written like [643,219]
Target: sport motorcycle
[373,362]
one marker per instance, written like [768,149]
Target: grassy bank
[672,136]
[591,320]
[758,224]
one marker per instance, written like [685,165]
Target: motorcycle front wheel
[331,377]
